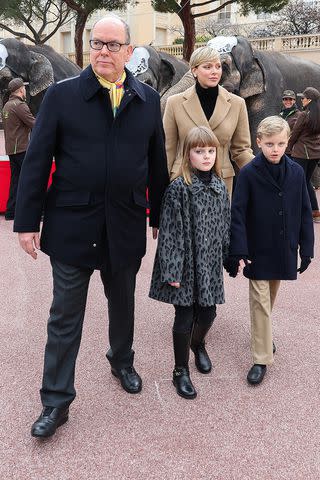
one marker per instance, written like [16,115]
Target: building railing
[285,44]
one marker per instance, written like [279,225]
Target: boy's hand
[232,264]
[305,262]
[174,284]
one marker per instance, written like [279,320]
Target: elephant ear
[166,77]
[253,82]
[251,71]
[40,73]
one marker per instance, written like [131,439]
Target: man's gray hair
[115,17]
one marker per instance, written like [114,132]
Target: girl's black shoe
[181,380]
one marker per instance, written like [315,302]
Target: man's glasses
[111,46]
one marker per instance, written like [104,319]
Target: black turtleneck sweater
[277,170]
[205,177]
[208,98]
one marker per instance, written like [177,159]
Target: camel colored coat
[229,122]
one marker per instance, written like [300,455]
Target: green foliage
[262,6]
[202,38]
[178,41]
[166,6]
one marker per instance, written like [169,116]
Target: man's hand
[154,233]
[174,284]
[305,262]
[29,242]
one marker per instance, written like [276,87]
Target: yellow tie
[116,90]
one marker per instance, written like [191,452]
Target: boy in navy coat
[271,220]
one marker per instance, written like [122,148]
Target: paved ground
[230,432]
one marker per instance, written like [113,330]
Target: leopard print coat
[193,242]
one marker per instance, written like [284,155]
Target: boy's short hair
[271,126]
[204,55]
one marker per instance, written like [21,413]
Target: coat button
[280,194]
[94,244]
[281,212]
[281,232]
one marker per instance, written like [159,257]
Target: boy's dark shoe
[256,374]
[182,381]
[274,347]
[50,419]
[129,379]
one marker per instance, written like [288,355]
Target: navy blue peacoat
[97,201]
[269,223]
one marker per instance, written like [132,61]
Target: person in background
[304,143]
[105,131]
[193,242]
[289,109]
[270,221]
[207,103]
[18,122]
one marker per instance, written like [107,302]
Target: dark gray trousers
[70,288]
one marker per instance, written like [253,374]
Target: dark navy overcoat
[104,165]
[269,223]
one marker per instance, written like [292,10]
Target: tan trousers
[262,294]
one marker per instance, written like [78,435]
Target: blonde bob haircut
[197,137]
[203,55]
[272,126]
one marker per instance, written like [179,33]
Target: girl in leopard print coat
[193,242]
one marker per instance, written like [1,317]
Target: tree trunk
[188,23]
[78,34]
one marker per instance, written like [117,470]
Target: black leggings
[186,316]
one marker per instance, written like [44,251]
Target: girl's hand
[175,284]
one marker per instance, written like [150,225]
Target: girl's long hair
[197,137]
[313,116]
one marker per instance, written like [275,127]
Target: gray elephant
[259,77]
[157,69]
[39,65]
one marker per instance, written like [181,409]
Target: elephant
[260,77]
[39,65]
[157,69]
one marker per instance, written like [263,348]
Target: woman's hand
[174,284]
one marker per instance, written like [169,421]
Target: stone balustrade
[306,46]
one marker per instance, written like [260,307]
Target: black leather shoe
[202,359]
[274,347]
[181,380]
[256,374]
[129,379]
[50,419]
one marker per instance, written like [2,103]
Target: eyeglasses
[288,98]
[111,46]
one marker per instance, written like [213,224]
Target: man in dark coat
[105,132]
[270,220]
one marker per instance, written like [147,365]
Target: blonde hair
[203,55]
[197,137]
[271,126]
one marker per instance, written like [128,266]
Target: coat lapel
[193,108]
[221,109]
[262,169]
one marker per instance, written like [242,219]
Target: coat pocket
[72,199]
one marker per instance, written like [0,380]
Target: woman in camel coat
[208,104]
